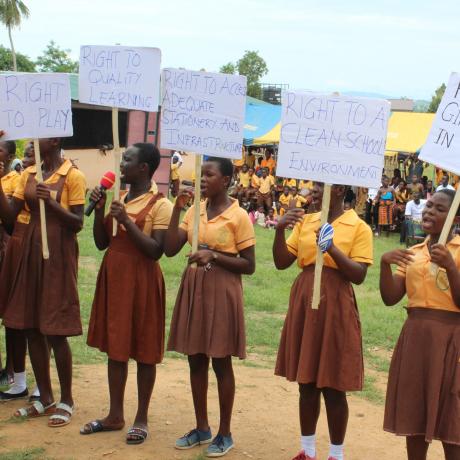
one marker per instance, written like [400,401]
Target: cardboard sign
[442,148]
[35,105]
[203,112]
[332,139]
[120,76]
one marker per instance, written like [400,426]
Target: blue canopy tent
[262,122]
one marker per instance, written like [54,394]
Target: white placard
[203,112]
[332,139]
[35,105]
[120,76]
[442,147]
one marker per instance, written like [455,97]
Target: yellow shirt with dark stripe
[73,192]
[158,217]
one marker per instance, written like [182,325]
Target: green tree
[436,99]
[228,68]
[253,67]
[55,59]
[11,13]
[24,63]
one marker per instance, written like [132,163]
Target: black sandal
[96,426]
[136,435]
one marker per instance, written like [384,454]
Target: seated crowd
[396,206]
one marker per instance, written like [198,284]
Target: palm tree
[11,13]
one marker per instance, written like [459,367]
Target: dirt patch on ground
[265,423]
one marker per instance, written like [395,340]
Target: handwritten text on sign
[442,147]
[203,112]
[119,76]
[332,139]
[35,105]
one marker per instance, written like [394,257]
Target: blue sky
[396,48]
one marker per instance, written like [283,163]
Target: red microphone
[106,183]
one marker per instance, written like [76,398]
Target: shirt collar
[227,214]
[348,217]
[62,170]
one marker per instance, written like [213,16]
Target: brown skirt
[208,317]
[322,346]
[423,394]
[128,314]
[37,293]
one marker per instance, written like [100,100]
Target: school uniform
[128,314]
[244,179]
[324,346]
[42,294]
[9,183]
[284,201]
[289,183]
[298,201]
[270,164]
[208,315]
[306,185]
[423,393]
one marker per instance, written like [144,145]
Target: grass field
[266,300]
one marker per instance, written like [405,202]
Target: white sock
[35,392]
[336,451]
[19,384]
[308,444]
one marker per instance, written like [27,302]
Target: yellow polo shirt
[425,287]
[230,232]
[351,235]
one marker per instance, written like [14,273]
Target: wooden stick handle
[39,177]
[196,205]
[450,218]
[316,298]
[117,160]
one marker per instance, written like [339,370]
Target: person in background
[402,196]
[412,216]
[297,200]
[259,216]
[175,178]
[415,185]
[244,180]
[289,183]
[396,177]
[259,167]
[250,158]
[271,220]
[178,155]
[16,165]
[444,185]
[361,198]
[429,191]
[422,400]
[9,180]
[385,198]
[416,166]
[265,185]
[284,201]
[29,156]
[269,162]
